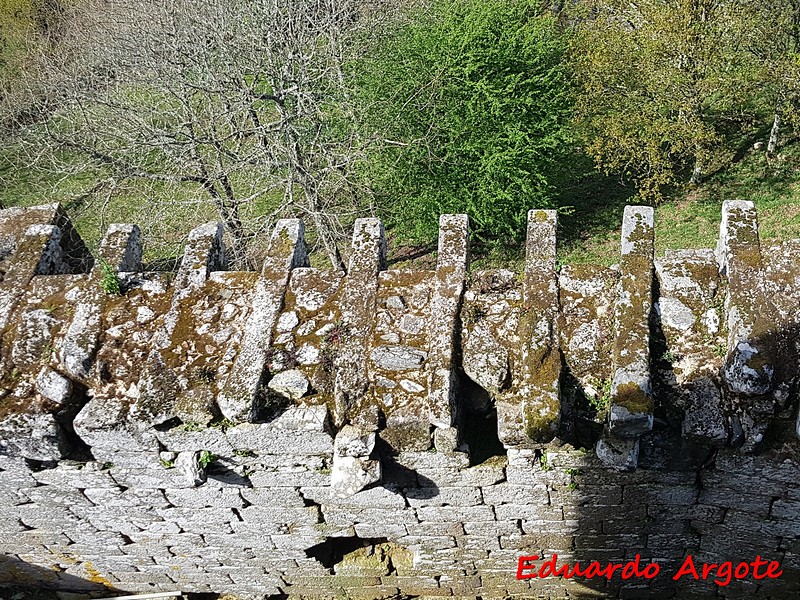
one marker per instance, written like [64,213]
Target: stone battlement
[397,406]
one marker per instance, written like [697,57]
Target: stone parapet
[384,432]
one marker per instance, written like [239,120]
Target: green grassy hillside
[689,217]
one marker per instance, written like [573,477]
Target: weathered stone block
[357,309]
[351,474]
[536,389]
[291,384]
[631,392]
[618,453]
[451,269]
[749,366]
[241,388]
[460,496]
[354,441]
[278,438]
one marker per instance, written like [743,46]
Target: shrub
[469,102]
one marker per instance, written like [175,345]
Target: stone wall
[381,432]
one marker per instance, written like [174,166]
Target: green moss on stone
[633,398]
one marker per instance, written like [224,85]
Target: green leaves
[662,87]
[468,103]
[108,279]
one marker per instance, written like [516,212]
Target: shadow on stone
[478,423]
[333,550]
[17,576]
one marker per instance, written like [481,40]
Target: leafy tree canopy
[662,82]
[467,103]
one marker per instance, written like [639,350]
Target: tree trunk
[232,222]
[772,145]
[331,249]
[298,166]
[697,173]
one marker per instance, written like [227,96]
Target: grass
[95,200]
[689,216]
[206,458]
[109,280]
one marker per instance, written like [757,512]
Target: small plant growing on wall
[545,466]
[191,426]
[573,485]
[602,400]
[331,342]
[281,358]
[223,424]
[338,335]
[206,458]
[46,354]
[109,280]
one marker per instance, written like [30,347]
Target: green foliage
[719,350]
[206,458]
[16,23]
[543,462]
[191,426]
[109,280]
[47,353]
[602,400]
[224,424]
[669,356]
[28,30]
[663,87]
[469,101]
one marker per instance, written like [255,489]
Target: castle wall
[378,432]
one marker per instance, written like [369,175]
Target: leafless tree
[244,101]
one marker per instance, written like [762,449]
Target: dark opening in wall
[479,423]
[333,550]
[40,465]
[169,424]
[664,382]
[582,417]
[74,447]
[268,405]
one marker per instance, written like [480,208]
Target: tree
[466,103]
[28,28]
[659,82]
[772,35]
[241,101]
